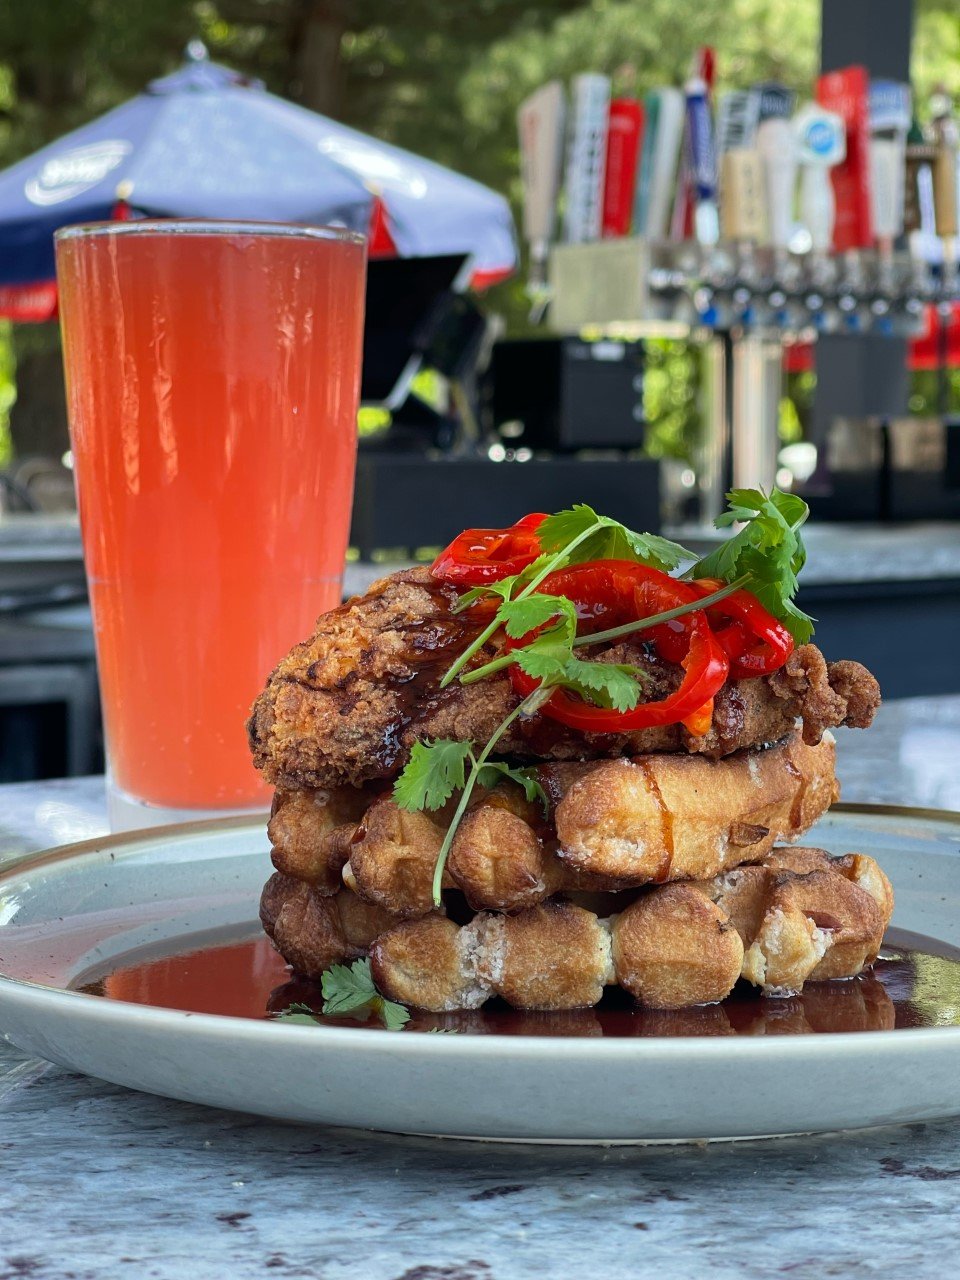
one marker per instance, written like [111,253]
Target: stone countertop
[837,552]
[37,537]
[102,1182]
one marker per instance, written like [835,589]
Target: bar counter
[862,583]
[837,552]
[104,1182]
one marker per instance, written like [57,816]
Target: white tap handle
[540,121]
[585,158]
[777,146]
[818,208]
[886,188]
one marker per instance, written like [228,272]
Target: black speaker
[565,394]
[408,501]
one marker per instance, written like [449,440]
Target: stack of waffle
[628,883]
[657,868]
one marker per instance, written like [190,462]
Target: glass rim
[210,227]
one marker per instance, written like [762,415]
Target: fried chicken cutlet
[346,706]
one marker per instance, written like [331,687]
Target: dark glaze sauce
[666,819]
[915,983]
[796,806]
[430,646]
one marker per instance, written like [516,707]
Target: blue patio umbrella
[207,142]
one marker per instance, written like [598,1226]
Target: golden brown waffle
[797,916]
[613,825]
[312,930]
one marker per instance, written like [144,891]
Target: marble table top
[102,1182]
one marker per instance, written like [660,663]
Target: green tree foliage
[443,79]
[391,67]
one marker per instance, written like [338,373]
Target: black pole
[861,376]
[874,33]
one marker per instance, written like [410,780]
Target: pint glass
[212,377]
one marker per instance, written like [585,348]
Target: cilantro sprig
[580,534]
[767,553]
[437,770]
[569,537]
[349,989]
[765,556]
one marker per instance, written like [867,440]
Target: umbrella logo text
[71,172]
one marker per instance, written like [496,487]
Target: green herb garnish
[569,537]
[581,534]
[301,1014]
[764,556]
[348,990]
[351,990]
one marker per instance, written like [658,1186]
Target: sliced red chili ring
[755,641]
[478,556]
[705,669]
[608,593]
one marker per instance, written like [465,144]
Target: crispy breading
[346,705]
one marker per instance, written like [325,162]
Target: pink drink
[212,381]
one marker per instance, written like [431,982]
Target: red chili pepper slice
[754,640]
[608,593]
[478,556]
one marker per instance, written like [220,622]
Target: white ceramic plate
[76,910]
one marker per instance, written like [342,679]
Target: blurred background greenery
[442,79]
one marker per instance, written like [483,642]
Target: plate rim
[226,1026]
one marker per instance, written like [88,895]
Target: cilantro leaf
[606,539]
[545,659]
[491,772]
[607,684]
[745,504]
[433,773]
[610,684]
[346,988]
[768,548]
[393,1016]
[298,1013]
[518,617]
[349,989]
